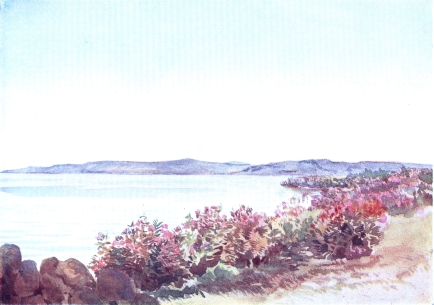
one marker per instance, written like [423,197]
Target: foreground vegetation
[253,252]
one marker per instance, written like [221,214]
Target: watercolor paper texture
[311,120]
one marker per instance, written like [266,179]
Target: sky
[252,81]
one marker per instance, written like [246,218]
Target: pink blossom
[167,234]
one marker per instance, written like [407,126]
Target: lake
[60,215]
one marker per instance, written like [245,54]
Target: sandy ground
[398,272]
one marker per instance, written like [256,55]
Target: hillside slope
[322,167]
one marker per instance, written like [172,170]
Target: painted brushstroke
[321,167]
[366,233]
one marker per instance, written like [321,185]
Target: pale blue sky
[254,81]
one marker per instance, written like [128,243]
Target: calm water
[60,215]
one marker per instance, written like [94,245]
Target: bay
[60,215]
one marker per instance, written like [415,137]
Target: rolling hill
[322,167]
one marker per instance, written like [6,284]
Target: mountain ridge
[318,167]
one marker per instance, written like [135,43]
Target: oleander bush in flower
[346,220]
[352,219]
[289,229]
[344,233]
[149,253]
[203,239]
[153,256]
[240,240]
[246,242]
[397,193]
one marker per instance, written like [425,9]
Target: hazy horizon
[207,161]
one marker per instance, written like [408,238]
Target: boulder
[10,263]
[68,282]
[11,258]
[1,276]
[85,295]
[49,266]
[27,280]
[75,274]
[114,285]
[33,300]
[54,289]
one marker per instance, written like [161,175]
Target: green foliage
[426,176]
[370,174]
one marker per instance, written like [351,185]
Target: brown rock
[49,266]
[114,285]
[28,279]
[1,278]
[68,282]
[54,290]
[13,299]
[10,263]
[75,274]
[33,300]
[11,258]
[85,296]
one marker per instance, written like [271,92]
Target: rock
[13,299]
[49,266]
[10,263]
[54,290]
[28,279]
[1,277]
[114,285]
[75,274]
[33,300]
[11,258]
[85,296]
[68,282]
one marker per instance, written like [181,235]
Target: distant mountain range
[321,167]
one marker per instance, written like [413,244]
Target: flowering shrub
[374,195]
[238,241]
[288,231]
[346,219]
[349,221]
[343,234]
[246,242]
[203,239]
[149,253]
